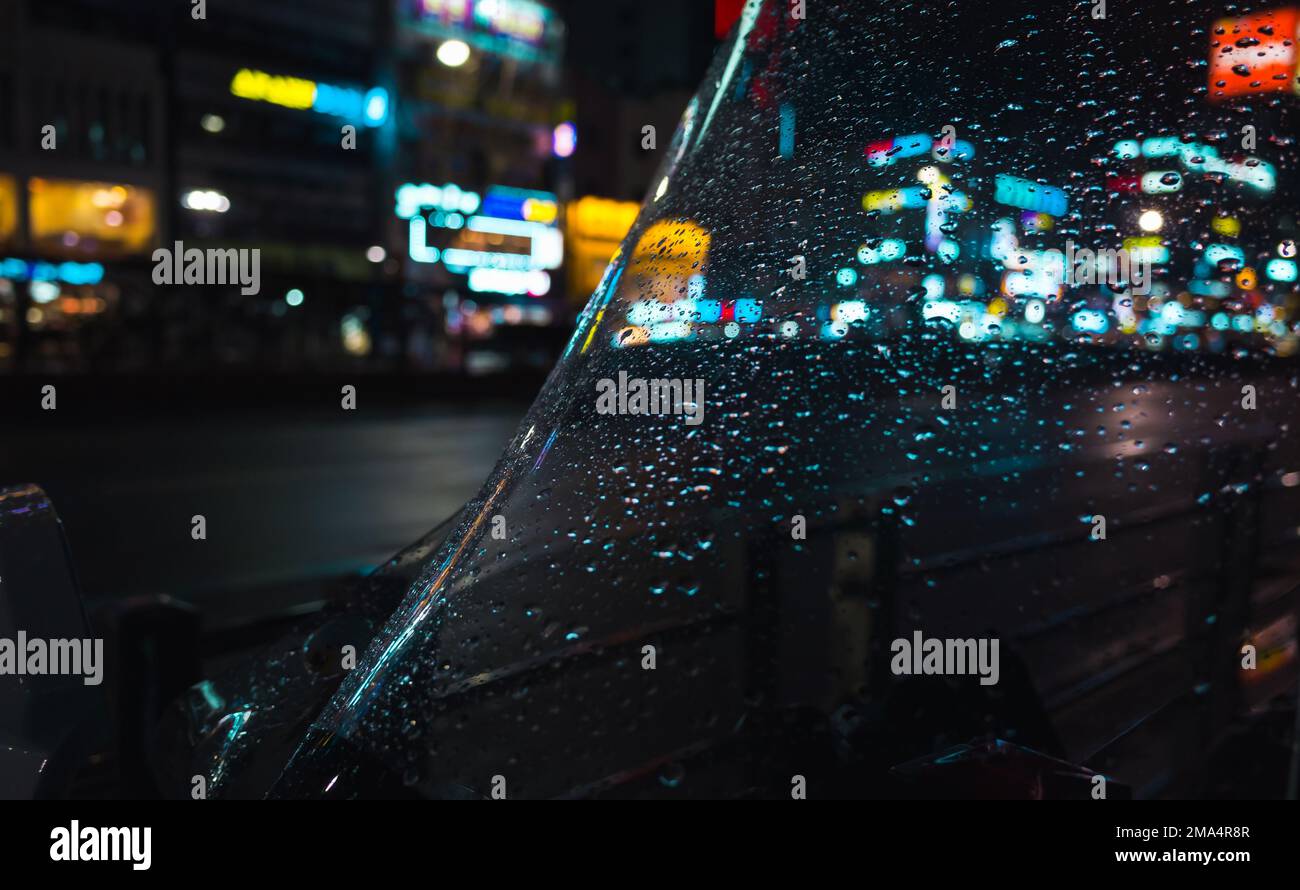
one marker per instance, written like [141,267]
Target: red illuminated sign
[1253,54]
[725,13]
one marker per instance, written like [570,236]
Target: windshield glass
[920,290]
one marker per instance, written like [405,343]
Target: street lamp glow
[453,53]
[1150,221]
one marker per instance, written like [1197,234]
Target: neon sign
[1029,195]
[884,152]
[1281,270]
[369,108]
[517,19]
[1254,54]
[886,250]
[1091,321]
[523,29]
[894,200]
[68,273]
[449,198]
[1161,182]
[1042,276]
[1198,158]
[509,281]
[521,204]
[481,225]
[1147,249]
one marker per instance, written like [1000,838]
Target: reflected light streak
[748,17]
[423,606]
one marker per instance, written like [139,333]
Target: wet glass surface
[938,284]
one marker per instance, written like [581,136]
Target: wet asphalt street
[287,497]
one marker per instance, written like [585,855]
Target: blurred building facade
[412,173]
[81,172]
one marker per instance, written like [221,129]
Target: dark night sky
[639,47]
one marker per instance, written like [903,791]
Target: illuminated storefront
[55,281]
[100,219]
[483,89]
[38,270]
[594,228]
[492,254]
[49,299]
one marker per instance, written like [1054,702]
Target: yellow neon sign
[288,92]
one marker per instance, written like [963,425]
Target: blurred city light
[205,200]
[1150,221]
[370,108]
[453,53]
[117,218]
[564,140]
